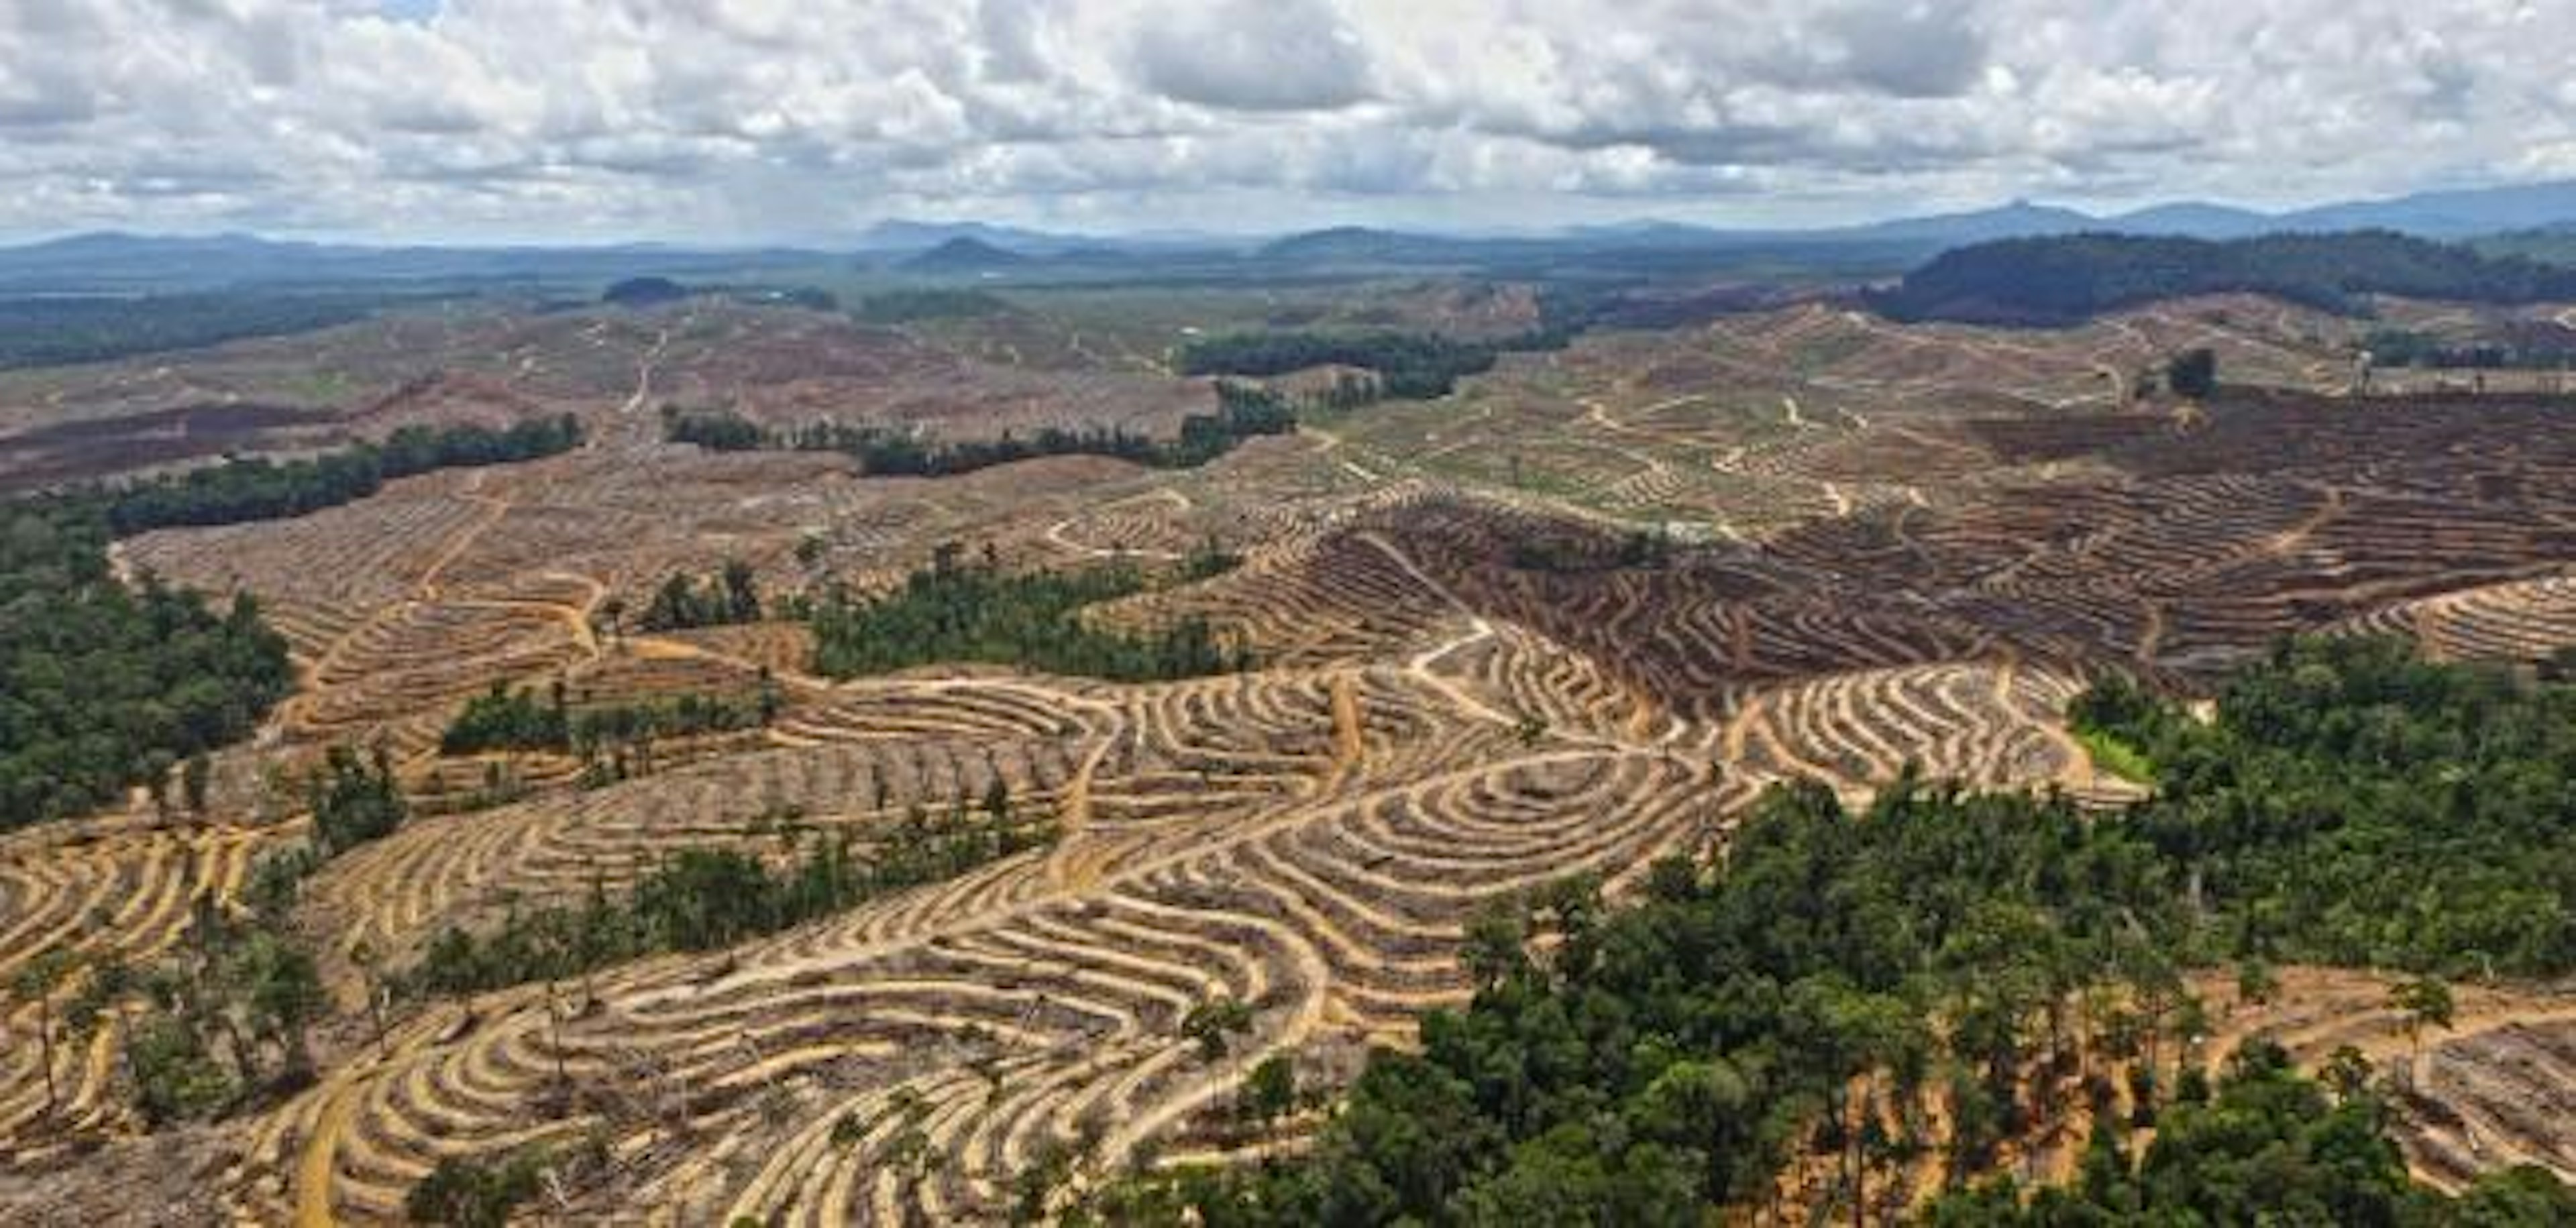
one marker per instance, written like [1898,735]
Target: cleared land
[1889,545]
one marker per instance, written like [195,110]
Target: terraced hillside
[1569,619]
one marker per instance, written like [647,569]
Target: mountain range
[113,262]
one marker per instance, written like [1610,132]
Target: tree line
[731,597]
[957,610]
[52,330]
[257,488]
[2526,347]
[1794,993]
[1243,412]
[2067,279]
[503,719]
[1403,365]
[1408,366]
[703,898]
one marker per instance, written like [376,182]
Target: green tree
[2425,1002]
[33,985]
[2193,373]
[2255,982]
[1209,1024]
[1269,1092]
[193,778]
[284,994]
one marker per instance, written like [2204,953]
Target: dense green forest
[1243,412]
[501,719]
[1645,1066]
[644,292]
[2353,804]
[729,598]
[704,898]
[256,488]
[1407,366]
[2068,279]
[55,329]
[716,430]
[955,610]
[103,686]
[1412,366]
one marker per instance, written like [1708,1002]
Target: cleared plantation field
[2516,621]
[1892,549]
[1754,422]
[481,364]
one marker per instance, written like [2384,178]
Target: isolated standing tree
[1269,1092]
[2193,373]
[2255,982]
[35,983]
[365,956]
[285,996]
[1210,1022]
[2347,1072]
[1494,949]
[2424,1001]
[194,775]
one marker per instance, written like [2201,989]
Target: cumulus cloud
[757,119]
[1253,55]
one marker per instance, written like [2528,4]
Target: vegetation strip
[1243,412]
[955,610]
[704,898]
[2067,279]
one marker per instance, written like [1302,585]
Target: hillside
[2066,280]
[964,254]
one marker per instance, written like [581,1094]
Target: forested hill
[2067,279]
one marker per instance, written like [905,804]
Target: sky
[744,121]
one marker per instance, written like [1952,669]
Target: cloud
[788,118]
[1253,55]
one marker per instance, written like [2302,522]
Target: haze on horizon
[739,121]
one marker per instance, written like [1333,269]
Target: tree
[2255,982]
[1494,948]
[368,960]
[2193,373]
[1269,1092]
[284,995]
[193,777]
[2424,1001]
[466,1192]
[2346,1072]
[1209,1023]
[353,800]
[34,984]
[741,595]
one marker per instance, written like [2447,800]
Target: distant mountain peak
[965,253]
